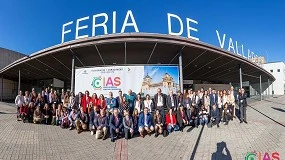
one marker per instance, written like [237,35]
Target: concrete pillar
[72,73]
[240,77]
[19,82]
[2,90]
[268,89]
[180,72]
[260,87]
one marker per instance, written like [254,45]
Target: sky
[259,25]
[157,72]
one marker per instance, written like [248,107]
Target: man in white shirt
[160,102]
[19,101]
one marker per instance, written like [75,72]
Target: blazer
[187,101]
[85,102]
[215,113]
[213,100]
[169,103]
[130,121]
[77,103]
[83,117]
[168,121]
[101,121]
[155,99]
[142,120]
[112,103]
[161,120]
[242,99]
[179,100]
[114,125]
[179,116]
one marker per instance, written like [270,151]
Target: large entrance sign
[140,79]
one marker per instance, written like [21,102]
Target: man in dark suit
[116,124]
[171,101]
[78,99]
[213,98]
[242,106]
[215,116]
[160,102]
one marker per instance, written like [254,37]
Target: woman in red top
[102,102]
[171,121]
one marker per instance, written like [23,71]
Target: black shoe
[156,135]
[112,140]
[218,125]
[181,130]
[104,138]
[226,123]
[240,121]
[245,122]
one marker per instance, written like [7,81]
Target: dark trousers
[113,133]
[215,121]
[242,109]
[18,112]
[226,117]
[127,133]
[193,122]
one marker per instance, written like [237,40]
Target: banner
[140,79]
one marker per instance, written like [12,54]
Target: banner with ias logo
[140,79]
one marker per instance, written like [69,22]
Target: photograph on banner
[140,79]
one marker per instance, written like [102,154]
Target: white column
[72,73]
[260,88]
[19,82]
[180,72]
[240,76]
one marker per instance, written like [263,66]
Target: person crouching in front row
[116,125]
[215,116]
[158,122]
[171,121]
[101,123]
[145,122]
[194,117]
[182,118]
[72,118]
[37,115]
[203,116]
[128,125]
[81,121]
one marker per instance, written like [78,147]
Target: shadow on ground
[278,109]
[6,113]
[219,154]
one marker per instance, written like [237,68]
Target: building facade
[9,87]
[277,69]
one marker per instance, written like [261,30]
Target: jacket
[179,116]
[215,113]
[155,99]
[101,121]
[142,120]
[83,117]
[111,103]
[131,124]
[169,102]
[242,99]
[114,125]
[84,102]
[168,121]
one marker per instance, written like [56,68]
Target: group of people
[129,114]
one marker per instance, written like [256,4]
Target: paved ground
[263,133]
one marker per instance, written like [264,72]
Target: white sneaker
[92,132]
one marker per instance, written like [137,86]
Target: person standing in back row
[242,106]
